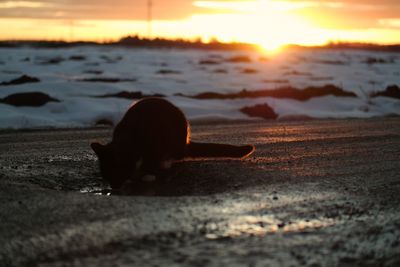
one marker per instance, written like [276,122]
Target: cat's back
[153,118]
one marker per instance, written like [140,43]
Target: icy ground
[70,75]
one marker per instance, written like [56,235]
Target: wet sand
[315,193]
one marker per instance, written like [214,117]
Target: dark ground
[315,193]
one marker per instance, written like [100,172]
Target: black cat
[152,134]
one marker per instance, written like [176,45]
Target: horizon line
[198,40]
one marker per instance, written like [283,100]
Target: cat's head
[114,169]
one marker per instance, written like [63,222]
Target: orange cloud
[96,9]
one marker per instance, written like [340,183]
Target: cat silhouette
[153,134]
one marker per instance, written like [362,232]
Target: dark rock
[391,91]
[106,80]
[130,95]
[262,111]
[21,80]
[31,99]
[166,72]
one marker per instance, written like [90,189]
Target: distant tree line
[214,44]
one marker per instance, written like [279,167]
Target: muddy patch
[249,71]
[92,64]
[276,81]
[111,59]
[284,92]
[168,72]
[77,58]
[239,59]
[49,60]
[331,62]
[220,71]
[104,122]
[31,99]
[321,79]
[298,73]
[106,80]
[377,60]
[96,72]
[21,80]
[11,72]
[209,62]
[392,91]
[261,111]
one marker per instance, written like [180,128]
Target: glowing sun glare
[267,23]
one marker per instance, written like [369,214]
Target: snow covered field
[80,79]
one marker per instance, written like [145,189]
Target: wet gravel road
[315,193]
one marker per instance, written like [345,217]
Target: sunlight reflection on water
[263,225]
[260,217]
[100,191]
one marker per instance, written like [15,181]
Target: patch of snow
[78,107]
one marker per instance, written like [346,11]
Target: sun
[269,24]
[271,48]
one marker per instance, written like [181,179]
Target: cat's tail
[210,150]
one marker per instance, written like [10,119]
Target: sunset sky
[266,22]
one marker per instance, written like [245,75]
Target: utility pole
[149,18]
[71,30]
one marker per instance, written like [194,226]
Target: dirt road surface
[315,193]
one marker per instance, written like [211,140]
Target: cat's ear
[99,149]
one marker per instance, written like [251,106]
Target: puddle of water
[263,225]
